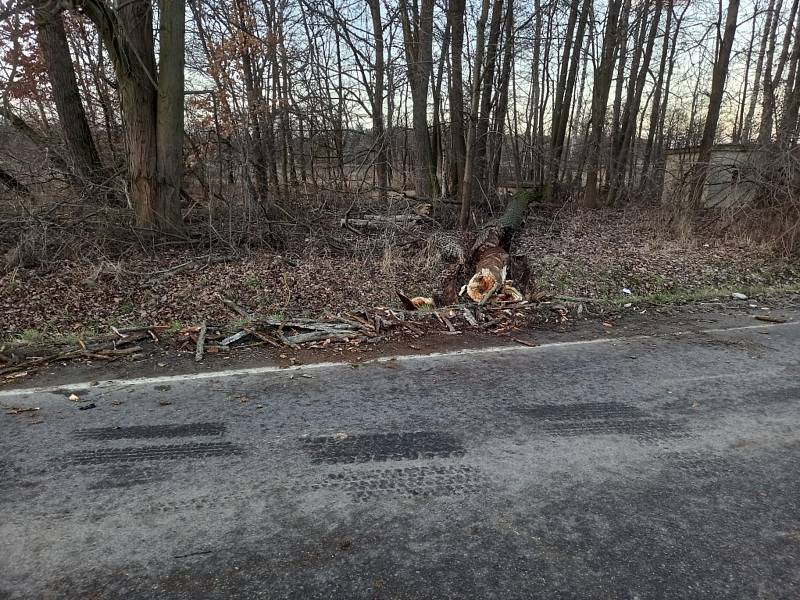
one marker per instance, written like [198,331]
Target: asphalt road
[662,466]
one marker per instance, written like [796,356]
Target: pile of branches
[108,348]
[497,316]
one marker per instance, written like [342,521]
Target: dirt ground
[571,252]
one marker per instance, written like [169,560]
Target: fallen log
[381,221]
[315,336]
[490,253]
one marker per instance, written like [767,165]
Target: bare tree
[417,20]
[66,96]
[718,79]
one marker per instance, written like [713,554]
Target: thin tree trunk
[466,189]
[768,105]
[502,102]
[564,100]
[602,89]
[632,105]
[718,79]
[482,128]
[418,41]
[787,131]
[748,122]
[378,129]
[455,16]
[655,113]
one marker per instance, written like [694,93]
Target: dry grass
[598,253]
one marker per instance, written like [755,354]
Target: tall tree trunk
[455,16]
[602,89]
[738,129]
[622,30]
[718,79]
[482,129]
[748,122]
[502,102]
[533,121]
[64,88]
[136,73]
[655,113]
[257,154]
[417,23]
[378,128]
[128,34]
[477,73]
[437,78]
[633,102]
[170,114]
[770,101]
[564,95]
[768,106]
[787,131]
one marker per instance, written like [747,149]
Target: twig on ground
[235,307]
[770,319]
[201,340]
[235,337]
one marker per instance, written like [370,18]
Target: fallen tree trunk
[490,253]
[382,221]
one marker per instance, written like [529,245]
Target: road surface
[654,466]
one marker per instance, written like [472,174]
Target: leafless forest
[316,129]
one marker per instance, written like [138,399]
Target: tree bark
[640,66]
[490,253]
[768,105]
[169,124]
[477,73]
[770,101]
[569,72]
[64,89]
[482,127]
[417,23]
[128,34]
[787,131]
[502,101]
[602,89]
[136,71]
[748,122]
[718,79]
[644,182]
[455,15]
[378,128]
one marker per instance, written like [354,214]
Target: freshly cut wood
[415,303]
[490,251]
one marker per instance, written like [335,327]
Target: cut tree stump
[490,253]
